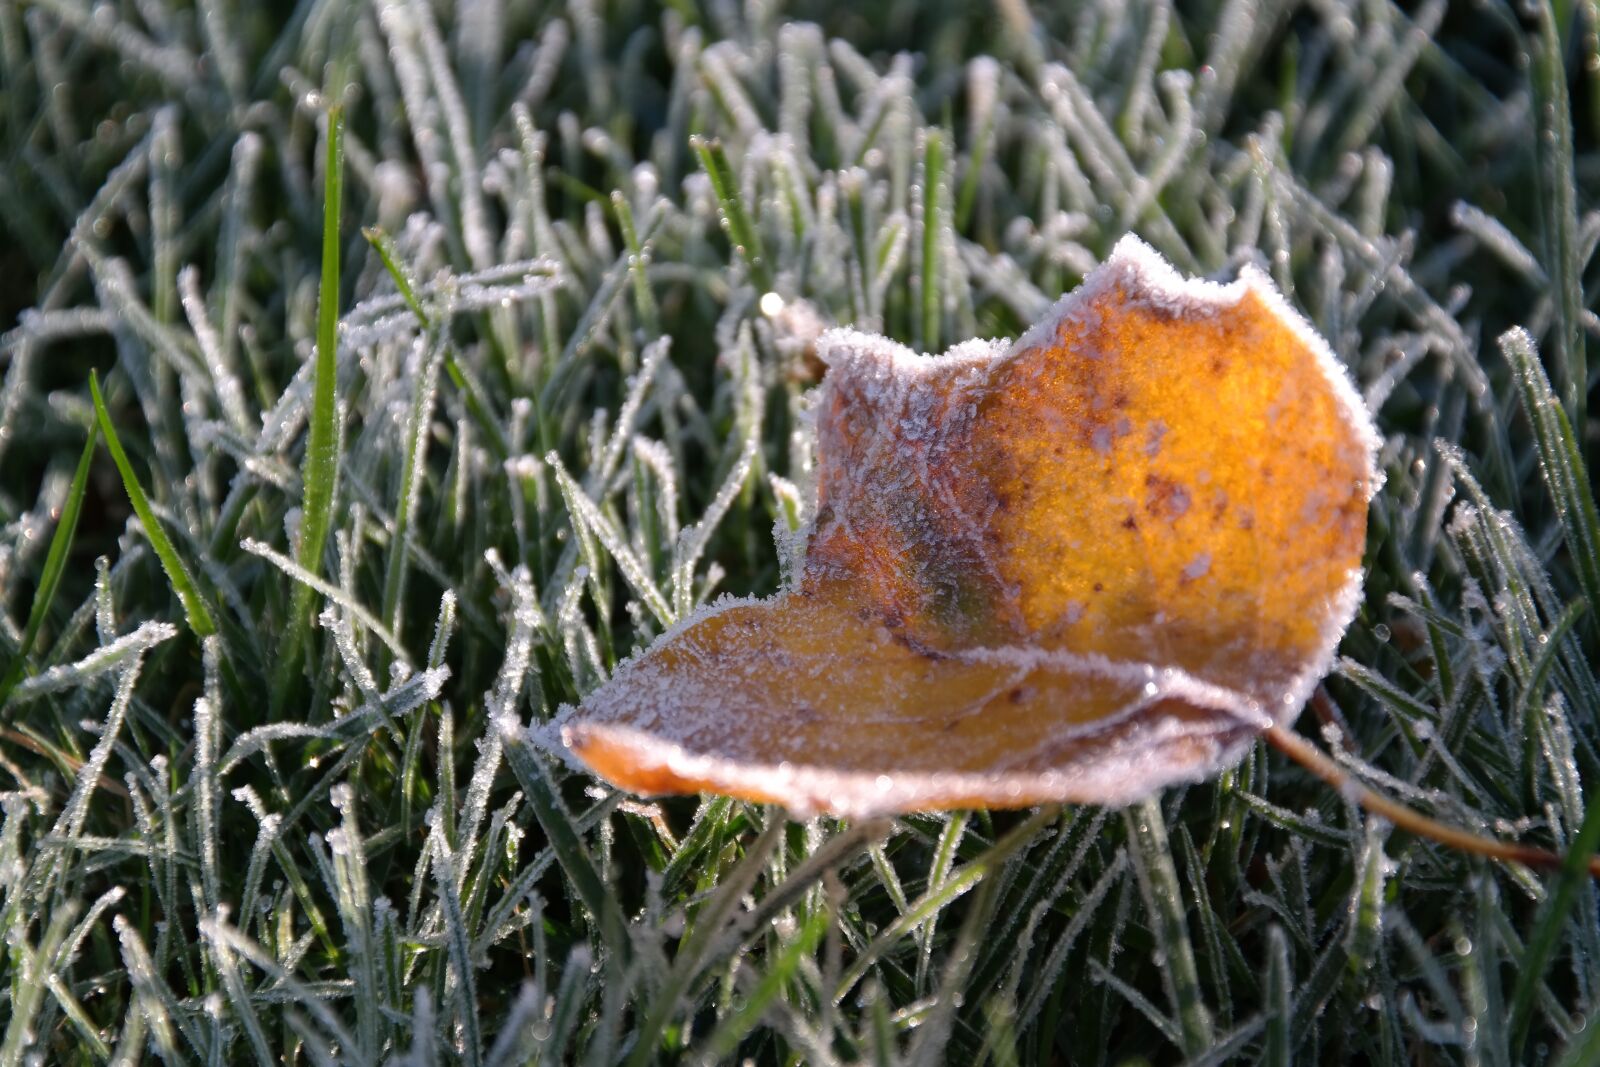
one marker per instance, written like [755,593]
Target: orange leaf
[1079,567]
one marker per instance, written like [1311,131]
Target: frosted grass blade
[1560,461]
[55,564]
[741,230]
[320,471]
[194,606]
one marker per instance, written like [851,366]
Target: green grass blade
[705,838]
[1560,461]
[982,142]
[1553,914]
[935,900]
[1584,1049]
[424,396]
[55,564]
[320,472]
[29,983]
[1158,878]
[1279,987]
[383,244]
[725,1039]
[696,950]
[741,230]
[933,223]
[1559,201]
[194,607]
[569,849]
[638,260]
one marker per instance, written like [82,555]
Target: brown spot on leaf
[1164,498]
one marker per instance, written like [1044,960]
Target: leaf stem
[1408,819]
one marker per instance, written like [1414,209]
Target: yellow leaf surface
[1078,567]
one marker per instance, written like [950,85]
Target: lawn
[374,379]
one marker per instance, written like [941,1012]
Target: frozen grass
[266,791]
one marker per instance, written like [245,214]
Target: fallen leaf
[1079,567]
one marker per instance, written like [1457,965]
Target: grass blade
[741,230]
[1559,200]
[182,583]
[1560,461]
[1279,990]
[321,469]
[559,828]
[383,244]
[933,223]
[1158,878]
[1553,914]
[725,1039]
[55,564]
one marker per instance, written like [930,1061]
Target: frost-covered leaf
[1078,567]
